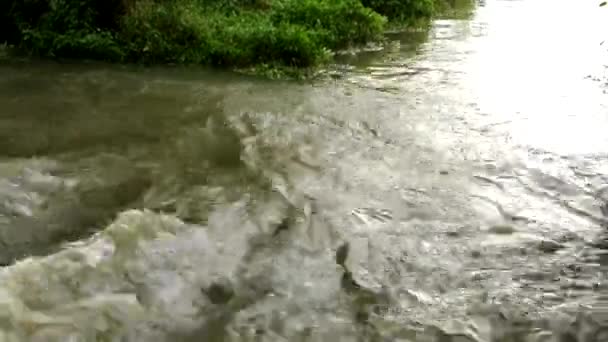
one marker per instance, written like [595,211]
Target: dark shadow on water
[54,108]
[128,138]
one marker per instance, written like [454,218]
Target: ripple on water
[429,196]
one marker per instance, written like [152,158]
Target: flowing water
[452,187]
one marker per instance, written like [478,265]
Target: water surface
[451,187]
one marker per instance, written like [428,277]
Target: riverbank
[261,34]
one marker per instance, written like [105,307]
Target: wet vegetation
[221,33]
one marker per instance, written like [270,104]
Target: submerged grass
[273,37]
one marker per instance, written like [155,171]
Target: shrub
[73,44]
[183,32]
[156,32]
[81,29]
[264,42]
[336,23]
[402,10]
[225,33]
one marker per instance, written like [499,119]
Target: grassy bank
[221,33]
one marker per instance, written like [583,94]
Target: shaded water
[449,188]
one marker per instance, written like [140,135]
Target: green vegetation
[223,33]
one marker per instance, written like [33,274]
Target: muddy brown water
[451,187]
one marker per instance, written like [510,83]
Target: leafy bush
[291,33]
[183,32]
[405,10]
[227,33]
[73,44]
[336,23]
[154,32]
[81,29]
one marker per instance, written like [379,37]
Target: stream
[452,187]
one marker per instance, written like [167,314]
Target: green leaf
[603,3]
